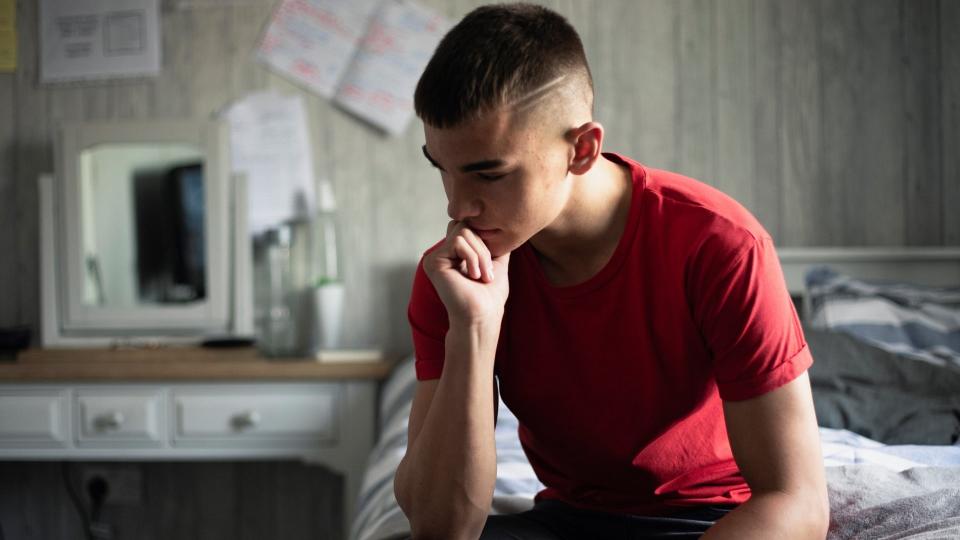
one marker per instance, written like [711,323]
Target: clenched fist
[471,283]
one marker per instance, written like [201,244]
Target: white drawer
[33,417]
[110,416]
[307,412]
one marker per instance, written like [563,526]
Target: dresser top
[188,364]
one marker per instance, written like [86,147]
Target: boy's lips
[485,233]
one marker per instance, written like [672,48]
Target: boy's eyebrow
[469,167]
[430,159]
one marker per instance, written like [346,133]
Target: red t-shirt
[617,381]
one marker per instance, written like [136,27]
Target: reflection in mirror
[142,219]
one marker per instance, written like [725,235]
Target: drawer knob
[111,420]
[246,419]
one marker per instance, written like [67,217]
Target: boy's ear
[586,144]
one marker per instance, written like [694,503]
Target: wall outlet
[124,486]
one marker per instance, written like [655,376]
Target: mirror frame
[67,316]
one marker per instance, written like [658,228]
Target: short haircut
[497,55]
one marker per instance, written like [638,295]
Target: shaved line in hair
[535,96]
[573,87]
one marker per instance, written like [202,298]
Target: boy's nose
[462,205]
[462,211]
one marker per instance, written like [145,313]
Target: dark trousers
[555,520]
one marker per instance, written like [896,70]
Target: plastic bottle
[278,327]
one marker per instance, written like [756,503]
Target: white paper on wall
[270,143]
[379,84]
[313,41]
[93,39]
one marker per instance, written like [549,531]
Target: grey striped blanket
[915,321]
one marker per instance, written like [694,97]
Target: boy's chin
[500,248]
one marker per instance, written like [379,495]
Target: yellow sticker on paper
[8,35]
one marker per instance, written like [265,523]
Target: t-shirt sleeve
[747,318]
[429,324]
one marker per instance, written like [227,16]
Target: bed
[883,326]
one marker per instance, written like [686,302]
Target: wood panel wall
[187,501]
[835,121]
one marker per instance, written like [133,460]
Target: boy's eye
[491,176]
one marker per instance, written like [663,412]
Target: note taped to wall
[380,82]
[313,41]
[270,143]
[93,39]
[8,35]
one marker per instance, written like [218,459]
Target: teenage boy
[636,320]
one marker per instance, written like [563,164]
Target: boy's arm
[444,484]
[776,444]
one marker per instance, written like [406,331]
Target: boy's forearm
[446,479]
[773,515]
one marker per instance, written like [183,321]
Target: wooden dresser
[186,403]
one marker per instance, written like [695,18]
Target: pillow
[876,393]
[919,322]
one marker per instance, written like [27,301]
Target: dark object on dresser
[13,339]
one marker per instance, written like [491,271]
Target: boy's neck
[580,242]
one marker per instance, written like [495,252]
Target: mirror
[135,226]
[142,210]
